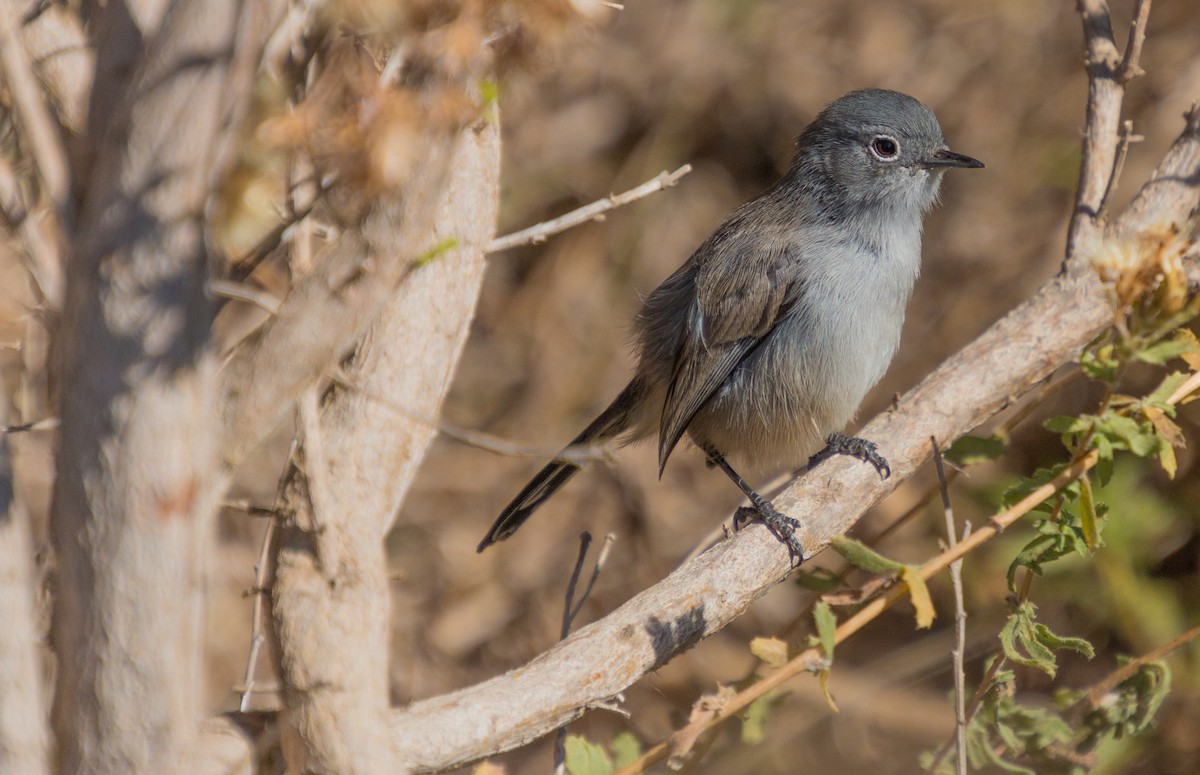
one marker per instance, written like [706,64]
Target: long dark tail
[611,423]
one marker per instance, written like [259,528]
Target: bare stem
[594,211]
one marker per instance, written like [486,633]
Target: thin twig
[601,561]
[257,626]
[570,611]
[572,454]
[229,289]
[328,556]
[44,424]
[960,617]
[585,541]
[976,701]
[868,613]
[541,231]
[41,131]
[1126,139]
[1130,67]
[262,570]
[246,507]
[1095,695]
[1105,94]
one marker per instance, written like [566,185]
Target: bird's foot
[852,446]
[781,526]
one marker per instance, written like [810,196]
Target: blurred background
[726,86]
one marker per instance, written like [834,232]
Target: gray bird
[762,345]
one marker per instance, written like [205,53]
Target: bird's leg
[781,526]
[860,449]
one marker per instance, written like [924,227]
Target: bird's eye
[885,148]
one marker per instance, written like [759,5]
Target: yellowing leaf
[919,593]
[773,651]
[1191,356]
[824,679]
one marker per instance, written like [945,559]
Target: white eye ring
[885,147]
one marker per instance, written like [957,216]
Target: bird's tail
[611,423]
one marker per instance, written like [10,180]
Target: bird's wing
[739,299]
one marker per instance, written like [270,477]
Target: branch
[1107,73]
[960,621]
[709,591]
[41,131]
[336,684]
[1096,694]
[593,212]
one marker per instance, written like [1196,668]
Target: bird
[762,344]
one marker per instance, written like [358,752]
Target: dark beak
[948,158]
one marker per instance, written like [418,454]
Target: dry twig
[595,211]
[960,618]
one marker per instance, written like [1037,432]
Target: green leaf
[586,758]
[861,556]
[1019,640]
[1018,491]
[971,450]
[1158,354]
[754,720]
[1125,432]
[826,623]
[1168,386]
[626,749]
[1060,643]
[1087,514]
[1069,424]
[1104,464]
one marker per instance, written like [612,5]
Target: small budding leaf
[435,252]
[1100,363]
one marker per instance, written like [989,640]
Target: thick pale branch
[330,308]
[336,684]
[706,593]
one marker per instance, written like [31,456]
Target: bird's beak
[945,157]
